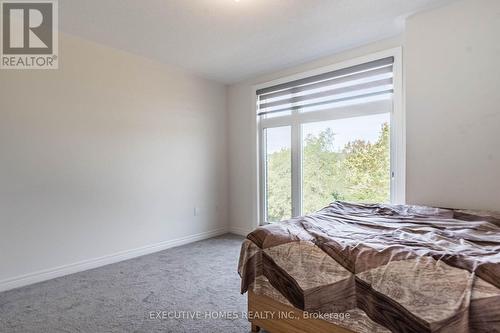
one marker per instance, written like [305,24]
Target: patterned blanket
[392,268]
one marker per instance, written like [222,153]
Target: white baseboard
[240,230]
[51,273]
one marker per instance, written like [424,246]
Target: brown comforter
[392,268]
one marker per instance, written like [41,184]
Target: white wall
[109,153]
[243,136]
[452,59]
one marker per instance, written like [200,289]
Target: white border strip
[52,273]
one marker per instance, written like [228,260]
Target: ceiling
[229,40]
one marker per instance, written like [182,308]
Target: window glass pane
[278,173]
[346,159]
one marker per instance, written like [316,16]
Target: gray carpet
[198,277]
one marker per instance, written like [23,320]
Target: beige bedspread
[393,268]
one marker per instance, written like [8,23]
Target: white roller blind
[352,84]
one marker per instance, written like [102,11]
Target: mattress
[382,268]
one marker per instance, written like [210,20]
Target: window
[278,173]
[332,135]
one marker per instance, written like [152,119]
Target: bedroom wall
[106,158]
[242,135]
[453,106]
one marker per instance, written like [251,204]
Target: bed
[375,268]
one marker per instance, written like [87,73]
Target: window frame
[296,119]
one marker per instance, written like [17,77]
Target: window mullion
[296,165]
[262,143]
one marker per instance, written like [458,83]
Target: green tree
[279,185]
[323,174]
[367,169]
[359,172]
